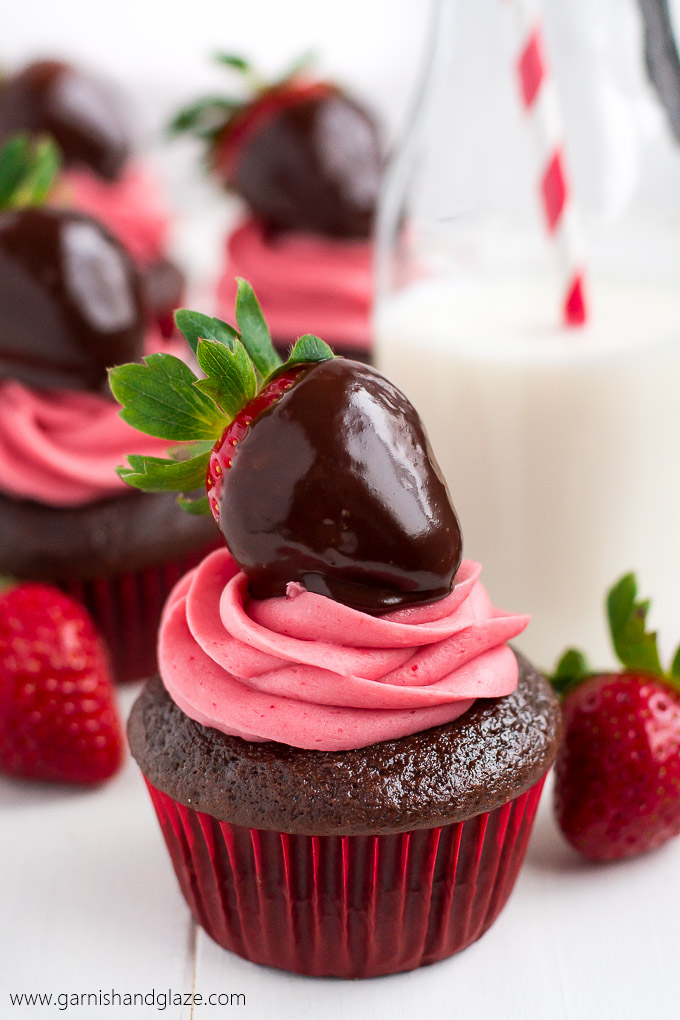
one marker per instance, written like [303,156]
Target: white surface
[90,903]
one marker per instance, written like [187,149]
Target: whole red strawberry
[301,462]
[303,154]
[617,775]
[58,718]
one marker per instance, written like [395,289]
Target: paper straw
[539,99]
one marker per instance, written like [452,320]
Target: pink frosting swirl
[309,672]
[305,284]
[62,447]
[131,208]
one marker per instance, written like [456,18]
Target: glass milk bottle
[559,438]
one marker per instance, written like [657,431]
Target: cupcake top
[341,613]
[308,671]
[496,750]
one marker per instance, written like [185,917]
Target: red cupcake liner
[347,906]
[127,610]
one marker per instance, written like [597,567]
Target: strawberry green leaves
[309,348]
[28,169]
[194,326]
[164,398]
[205,118]
[230,376]
[570,670]
[157,474]
[635,647]
[675,666]
[255,333]
[160,399]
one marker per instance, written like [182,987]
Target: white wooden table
[89,904]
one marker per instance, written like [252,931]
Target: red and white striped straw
[539,98]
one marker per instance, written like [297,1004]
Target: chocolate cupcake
[305,158]
[344,753]
[70,305]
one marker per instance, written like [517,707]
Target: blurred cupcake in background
[306,160]
[71,305]
[88,120]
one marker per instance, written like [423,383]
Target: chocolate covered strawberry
[58,717]
[70,296]
[617,781]
[300,152]
[318,471]
[81,113]
[86,119]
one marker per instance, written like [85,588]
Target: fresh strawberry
[301,462]
[617,777]
[58,718]
[300,152]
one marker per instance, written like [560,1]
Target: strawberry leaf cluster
[164,398]
[28,169]
[207,117]
[635,647]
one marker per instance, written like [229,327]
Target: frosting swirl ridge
[62,447]
[304,282]
[309,672]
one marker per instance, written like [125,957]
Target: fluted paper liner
[348,906]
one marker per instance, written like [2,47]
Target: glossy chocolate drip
[81,113]
[70,300]
[335,486]
[314,165]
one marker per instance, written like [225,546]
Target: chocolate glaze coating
[335,486]
[81,113]
[70,300]
[494,752]
[122,534]
[314,166]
